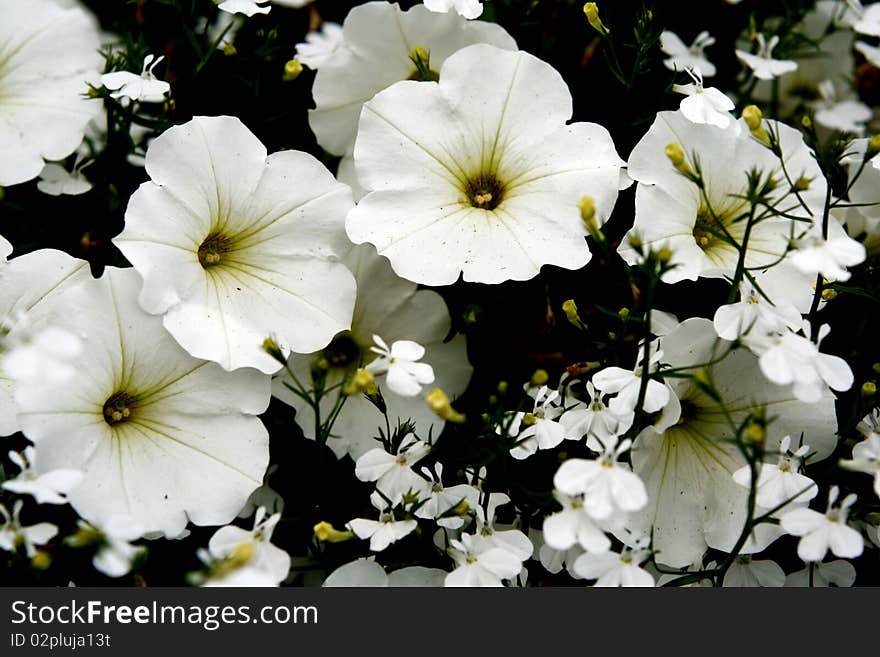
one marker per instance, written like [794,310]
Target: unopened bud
[229,50]
[502,387]
[802,184]
[529,419]
[540,377]
[753,118]
[807,122]
[869,389]
[327,533]
[438,401]
[873,147]
[41,560]
[292,70]
[829,293]
[569,307]
[587,207]
[676,156]
[270,346]
[591,11]
[664,255]
[756,433]
[359,383]
[623,313]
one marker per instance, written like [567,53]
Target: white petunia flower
[762,64]
[611,569]
[393,473]
[609,487]
[246,7]
[399,363]
[48,488]
[487,189]
[266,557]
[390,306]
[744,572]
[14,535]
[790,358]
[704,105]
[320,46]
[682,57]
[30,286]
[537,429]
[467,8]
[55,180]
[687,465]
[820,532]
[144,88]
[844,115]
[115,553]
[235,246]
[480,564]
[781,482]
[866,458]
[160,436]
[379,39]
[47,53]
[754,314]
[702,228]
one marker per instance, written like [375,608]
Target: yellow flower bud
[439,402]
[587,207]
[325,532]
[677,158]
[752,116]
[664,255]
[502,387]
[270,346]
[569,307]
[41,560]
[591,11]
[756,433]
[529,419]
[292,69]
[540,377]
[361,381]
[829,293]
[869,389]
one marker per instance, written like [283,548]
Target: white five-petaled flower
[382,532]
[55,180]
[47,53]
[144,88]
[703,105]
[480,564]
[537,429]
[844,115]
[266,557]
[866,458]
[753,313]
[393,473]
[399,363]
[320,46]
[820,532]
[865,20]
[592,419]
[829,256]
[160,436]
[627,384]
[115,554]
[479,175]
[682,57]
[512,540]
[466,8]
[14,535]
[48,488]
[573,525]
[781,482]
[609,487]
[234,246]
[762,64]
[442,499]
[246,7]
[790,358]
[366,572]
[611,569]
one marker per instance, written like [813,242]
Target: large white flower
[693,500]
[479,174]
[30,286]
[395,309]
[160,436]
[235,246]
[378,42]
[46,54]
[697,227]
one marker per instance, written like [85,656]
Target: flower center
[118,408]
[484,191]
[343,351]
[212,250]
[707,228]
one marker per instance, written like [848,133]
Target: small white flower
[753,313]
[13,534]
[744,572]
[821,532]
[266,557]
[115,553]
[762,64]
[48,488]
[866,458]
[246,7]
[830,257]
[867,19]
[613,569]
[511,540]
[42,355]
[382,532]
[627,383]
[837,573]
[320,46]
[465,8]
[682,57]
[403,373]
[541,431]
[55,180]
[144,88]
[442,499]
[366,572]
[871,53]
[704,105]
[479,564]
[790,358]
[573,525]
[609,486]
[393,473]
[844,115]
[593,419]
[782,482]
